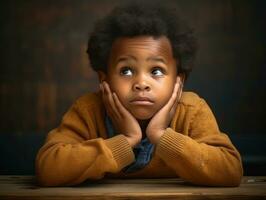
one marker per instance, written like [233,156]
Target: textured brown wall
[44,65]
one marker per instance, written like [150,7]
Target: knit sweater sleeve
[205,156]
[73,153]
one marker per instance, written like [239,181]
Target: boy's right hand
[124,122]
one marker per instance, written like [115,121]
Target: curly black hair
[138,19]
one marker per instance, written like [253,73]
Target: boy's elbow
[44,177]
[44,181]
[237,177]
[47,174]
[234,178]
[234,171]
[226,178]
[239,172]
[229,180]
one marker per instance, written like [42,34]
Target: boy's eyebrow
[151,58]
[157,59]
[127,57]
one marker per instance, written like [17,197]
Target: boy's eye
[126,71]
[157,71]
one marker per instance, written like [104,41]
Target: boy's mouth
[145,101]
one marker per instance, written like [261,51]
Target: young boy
[140,124]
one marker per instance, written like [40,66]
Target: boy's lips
[141,101]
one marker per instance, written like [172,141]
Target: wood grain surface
[24,187]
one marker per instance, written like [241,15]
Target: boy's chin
[142,115]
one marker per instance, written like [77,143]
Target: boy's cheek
[159,107]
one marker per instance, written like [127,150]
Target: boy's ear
[102,76]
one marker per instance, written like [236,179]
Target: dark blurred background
[44,68]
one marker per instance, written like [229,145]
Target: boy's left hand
[162,118]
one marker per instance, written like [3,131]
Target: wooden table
[24,187]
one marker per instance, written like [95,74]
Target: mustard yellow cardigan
[192,148]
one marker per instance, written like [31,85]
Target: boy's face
[142,72]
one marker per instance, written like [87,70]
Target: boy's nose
[141,87]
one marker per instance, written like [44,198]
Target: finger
[173,97]
[179,93]
[110,101]
[105,102]
[173,109]
[181,84]
[122,110]
[180,90]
